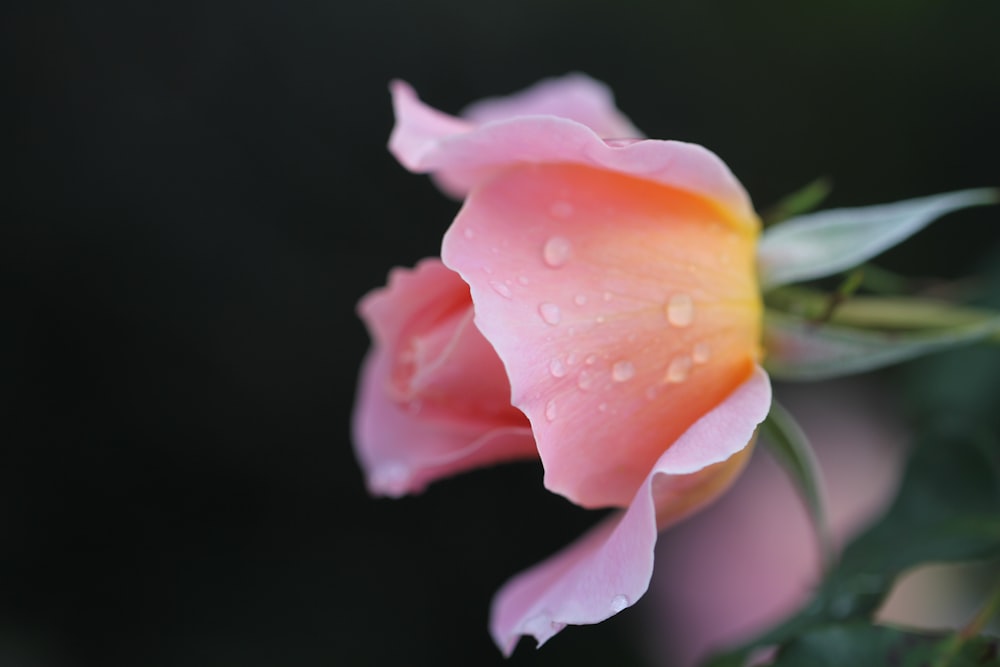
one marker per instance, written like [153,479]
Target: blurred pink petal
[623,310]
[574,96]
[462,155]
[751,559]
[610,567]
[433,398]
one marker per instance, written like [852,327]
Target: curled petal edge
[609,568]
[462,155]
[575,96]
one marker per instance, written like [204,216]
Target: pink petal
[433,397]
[574,96]
[610,567]
[462,156]
[623,311]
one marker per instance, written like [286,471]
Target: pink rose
[613,282]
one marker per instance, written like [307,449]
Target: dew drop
[618,603]
[603,407]
[585,380]
[500,289]
[607,296]
[590,360]
[523,280]
[580,299]
[550,410]
[556,251]
[557,368]
[561,209]
[600,319]
[622,371]
[701,353]
[468,233]
[680,310]
[550,313]
[678,370]
[572,358]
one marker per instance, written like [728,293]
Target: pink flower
[615,280]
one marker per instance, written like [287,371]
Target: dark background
[200,192]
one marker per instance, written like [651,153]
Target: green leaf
[820,244]
[788,443]
[948,509]
[861,644]
[800,349]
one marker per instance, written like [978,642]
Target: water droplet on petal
[571,358]
[550,410]
[557,368]
[580,299]
[523,280]
[618,603]
[603,407]
[550,313]
[500,289]
[468,233]
[678,370]
[622,371]
[590,360]
[701,354]
[607,296]
[561,209]
[585,380]
[557,251]
[600,319]
[680,310]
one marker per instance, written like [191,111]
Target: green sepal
[789,444]
[821,244]
[800,348]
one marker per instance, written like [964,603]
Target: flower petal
[462,155]
[820,244]
[623,311]
[574,96]
[609,568]
[433,397]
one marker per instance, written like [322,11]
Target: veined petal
[623,311]
[574,96]
[433,398]
[609,568]
[820,244]
[461,155]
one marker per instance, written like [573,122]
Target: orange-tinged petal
[623,310]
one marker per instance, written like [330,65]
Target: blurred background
[199,194]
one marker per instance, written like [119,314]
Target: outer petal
[433,398]
[462,156]
[610,567]
[623,311]
[574,96]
